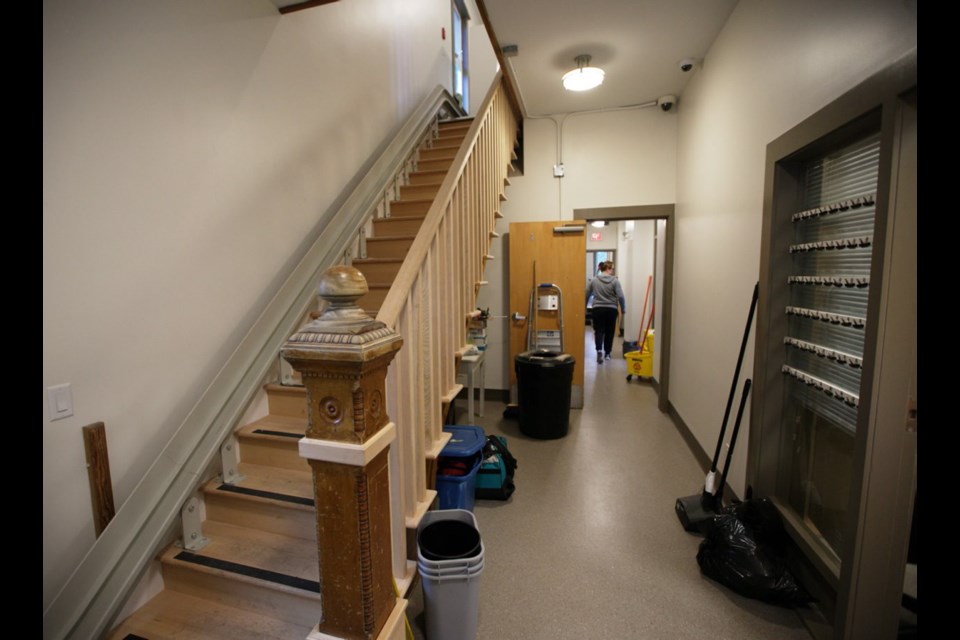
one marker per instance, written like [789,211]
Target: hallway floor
[589,545]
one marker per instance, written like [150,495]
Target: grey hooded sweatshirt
[606,292]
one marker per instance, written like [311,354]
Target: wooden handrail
[429,299]
[392,304]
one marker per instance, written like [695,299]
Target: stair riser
[396,226]
[434,165]
[273,453]
[451,144]
[301,609]
[408,208]
[441,153]
[292,402]
[419,192]
[373,300]
[177,615]
[446,133]
[454,126]
[426,178]
[378,271]
[293,521]
[388,248]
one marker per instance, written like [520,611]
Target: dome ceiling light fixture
[584,77]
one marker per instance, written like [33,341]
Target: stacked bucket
[450,561]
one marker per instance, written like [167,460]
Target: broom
[693,511]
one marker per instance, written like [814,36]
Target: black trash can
[544,379]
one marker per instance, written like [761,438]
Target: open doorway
[639,242]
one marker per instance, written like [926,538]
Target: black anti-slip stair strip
[132,636]
[285,434]
[250,572]
[266,494]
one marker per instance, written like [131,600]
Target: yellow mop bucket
[640,363]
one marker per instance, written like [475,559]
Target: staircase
[258,577]
[394,235]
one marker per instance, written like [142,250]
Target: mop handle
[643,314]
[733,441]
[646,330]
[736,377]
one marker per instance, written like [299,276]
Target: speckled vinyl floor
[589,545]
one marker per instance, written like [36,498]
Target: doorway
[640,239]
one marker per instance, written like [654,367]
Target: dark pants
[604,325]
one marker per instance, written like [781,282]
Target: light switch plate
[60,398]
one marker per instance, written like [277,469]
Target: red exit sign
[596,235]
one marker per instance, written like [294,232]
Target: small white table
[472,367]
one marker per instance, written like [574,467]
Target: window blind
[829,285]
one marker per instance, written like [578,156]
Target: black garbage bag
[748,558]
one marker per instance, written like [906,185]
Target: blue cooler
[458,465]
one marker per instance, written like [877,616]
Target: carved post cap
[342,357]
[344,332]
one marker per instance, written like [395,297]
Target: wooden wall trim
[98,471]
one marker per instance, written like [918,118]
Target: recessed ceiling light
[584,77]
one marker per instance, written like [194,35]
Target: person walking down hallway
[607,294]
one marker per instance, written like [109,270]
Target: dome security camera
[687,64]
[666,103]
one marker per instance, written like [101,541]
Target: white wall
[483,63]
[635,253]
[612,158]
[189,152]
[774,64]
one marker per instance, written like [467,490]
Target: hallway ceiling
[638,43]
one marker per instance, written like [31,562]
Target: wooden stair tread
[430,177]
[390,238]
[233,549]
[408,201]
[271,422]
[260,480]
[377,260]
[172,615]
[401,218]
[441,164]
[273,387]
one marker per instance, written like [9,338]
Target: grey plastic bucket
[451,588]
[461,515]
[452,605]
[452,571]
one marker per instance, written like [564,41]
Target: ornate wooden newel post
[343,357]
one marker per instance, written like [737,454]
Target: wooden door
[539,254]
